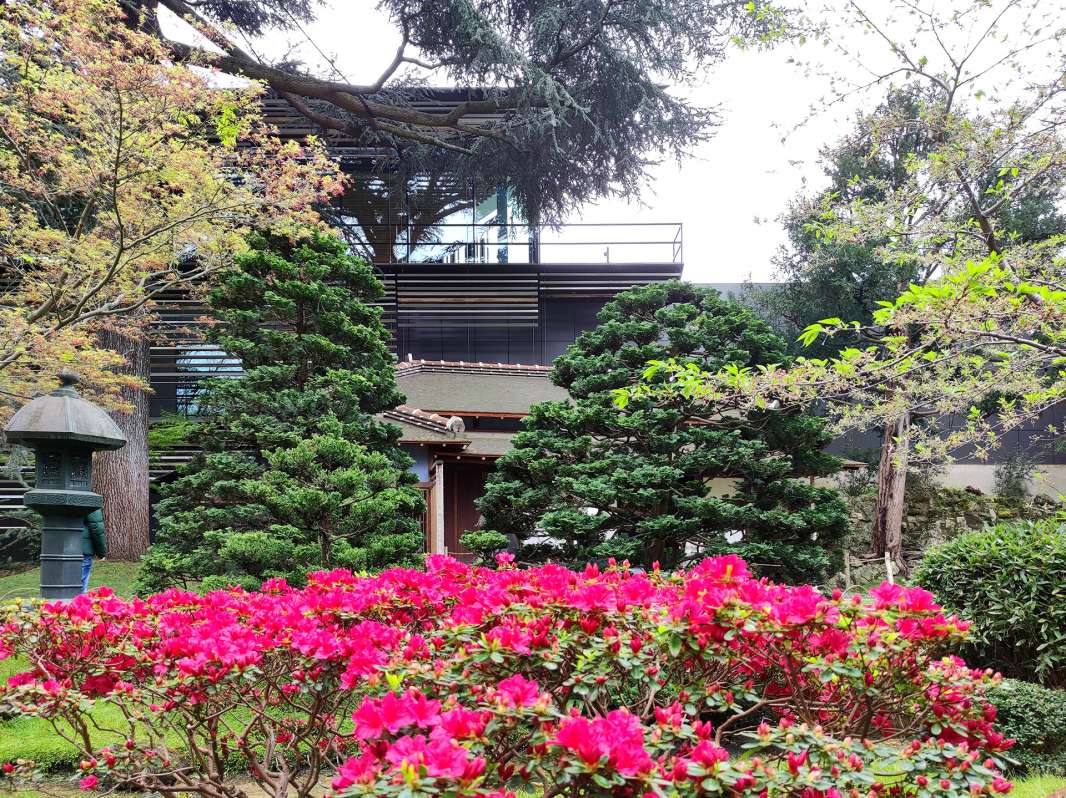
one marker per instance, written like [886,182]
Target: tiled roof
[431,421]
[406,367]
[490,444]
[462,388]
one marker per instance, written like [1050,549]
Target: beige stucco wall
[1049,481]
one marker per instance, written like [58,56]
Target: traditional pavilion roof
[421,427]
[457,388]
[432,422]
[439,392]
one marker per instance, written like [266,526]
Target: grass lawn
[31,738]
[1038,786]
[115,574]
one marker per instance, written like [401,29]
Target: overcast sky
[731,191]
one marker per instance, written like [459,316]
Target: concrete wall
[1049,480]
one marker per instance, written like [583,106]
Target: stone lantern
[63,430]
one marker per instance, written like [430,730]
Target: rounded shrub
[1010,581]
[1035,718]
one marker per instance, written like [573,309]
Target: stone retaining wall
[933,518]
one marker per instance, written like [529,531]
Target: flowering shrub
[468,681]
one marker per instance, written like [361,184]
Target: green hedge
[1010,580]
[1035,717]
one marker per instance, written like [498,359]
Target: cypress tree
[294,473]
[587,480]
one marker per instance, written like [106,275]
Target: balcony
[454,243]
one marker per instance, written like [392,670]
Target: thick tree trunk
[121,477]
[891,482]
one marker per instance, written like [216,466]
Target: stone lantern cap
[62,415]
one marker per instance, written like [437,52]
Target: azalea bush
[476,682]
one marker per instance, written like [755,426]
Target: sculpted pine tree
[587,480]
[295,472]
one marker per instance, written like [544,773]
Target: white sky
[731,191]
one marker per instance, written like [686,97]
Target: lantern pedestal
[62,523]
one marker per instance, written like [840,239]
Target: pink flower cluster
[469,681]
[617,739]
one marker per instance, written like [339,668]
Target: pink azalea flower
[89,782]
[518,691]
[619,737]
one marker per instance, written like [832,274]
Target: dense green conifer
[587,480]
[295,472]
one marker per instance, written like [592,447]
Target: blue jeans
[86,569]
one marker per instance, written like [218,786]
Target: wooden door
[464,483]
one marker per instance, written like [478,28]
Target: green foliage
[485,544]
[171,430]
[923,476]
[296,473]
[577,95]
[821,274]
[819,277]
[1012,476]
[1035,718]
[859,481]
[1010,580]
[587,480]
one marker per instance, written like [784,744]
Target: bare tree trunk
[121,477]
[891,482]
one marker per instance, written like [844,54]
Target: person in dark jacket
[93,544]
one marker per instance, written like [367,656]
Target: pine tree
[295,473]
[587,480]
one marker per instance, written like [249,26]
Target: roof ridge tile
[415,366]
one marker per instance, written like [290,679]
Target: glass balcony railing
[580,243]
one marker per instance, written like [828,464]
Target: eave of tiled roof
[420,418]
[466,388]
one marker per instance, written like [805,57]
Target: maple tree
[981,348]
[122,175]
